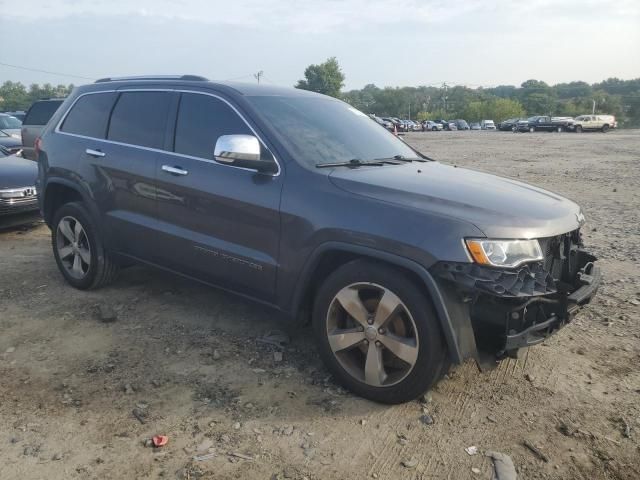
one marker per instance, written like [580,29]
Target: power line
[45,71]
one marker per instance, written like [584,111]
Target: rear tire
[358,355]
[532,129]
[605,128]
[78,248]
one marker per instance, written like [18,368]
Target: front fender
[453,329]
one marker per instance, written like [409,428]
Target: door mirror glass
[242,151]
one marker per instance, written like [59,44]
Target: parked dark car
[544,123]
[17,184]
[448,124]
[461,124]
[509,124]
[37,117]
[300,202]
[10,142]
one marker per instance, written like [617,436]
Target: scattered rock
[410,463]
[106,314]
[536,451]
[288,430]
[426,399]
[503,466]
[10,350]
[277,356]
[475,470]
[236,426]
[426,419]
[472,450]
[491,419]
[56,457]
[128,389]
[580,351]
[363,422]
[529,377]
[216,354]
[277,338]
[140,415]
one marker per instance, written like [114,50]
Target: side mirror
[242,151]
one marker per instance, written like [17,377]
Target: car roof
[191,81]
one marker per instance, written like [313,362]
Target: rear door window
[41,112]
[89,115]
[202,119]
[140,118]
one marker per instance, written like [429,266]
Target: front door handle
[95,153]
[174,170]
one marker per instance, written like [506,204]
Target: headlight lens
[504,253]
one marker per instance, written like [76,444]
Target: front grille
[18,205]
[560,255]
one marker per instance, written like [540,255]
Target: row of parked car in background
[20,131]
[537,123]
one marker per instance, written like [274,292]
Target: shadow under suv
[305,204]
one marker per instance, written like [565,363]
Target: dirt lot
[79,395]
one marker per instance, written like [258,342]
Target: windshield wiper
[402,159]
[356,162]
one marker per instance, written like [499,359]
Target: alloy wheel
[372,334]
[74,250]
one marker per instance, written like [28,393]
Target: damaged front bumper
[496,311]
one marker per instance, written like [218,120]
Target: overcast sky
[386,42]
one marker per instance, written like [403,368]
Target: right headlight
[504,253]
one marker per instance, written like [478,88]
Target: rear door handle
[95,153]
[174,170]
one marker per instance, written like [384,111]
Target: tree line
[14,96]
[533,97]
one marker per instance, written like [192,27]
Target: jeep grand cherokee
[305,204]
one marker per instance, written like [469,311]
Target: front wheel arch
[331,255]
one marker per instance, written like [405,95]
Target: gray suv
[301,202]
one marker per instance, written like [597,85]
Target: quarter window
[89,115]
[201,120]
[140,118]
[41,112]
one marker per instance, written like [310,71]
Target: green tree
[326,78]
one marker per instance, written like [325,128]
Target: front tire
[578,129]
[532,129]
[378,332]
[78,249]
[605,128]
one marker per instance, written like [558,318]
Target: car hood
[16,172]
[499,207]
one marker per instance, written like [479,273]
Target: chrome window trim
[206,160]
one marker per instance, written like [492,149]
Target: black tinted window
[201,120]
[41,112]
[140,118]
[89,115]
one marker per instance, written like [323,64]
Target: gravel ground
[88,377]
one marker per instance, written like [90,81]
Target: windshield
[322,130]
[7,121]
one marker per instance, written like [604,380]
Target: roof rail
[190,78]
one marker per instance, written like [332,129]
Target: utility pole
[258,75]
[593,110]
[445,98]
